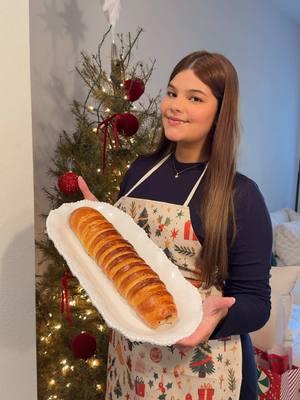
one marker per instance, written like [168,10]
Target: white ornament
[111,10]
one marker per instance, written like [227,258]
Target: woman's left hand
[215,308]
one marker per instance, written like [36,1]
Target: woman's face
[188,109]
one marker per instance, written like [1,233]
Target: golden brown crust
[132,277]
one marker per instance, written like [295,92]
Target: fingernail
[233,300]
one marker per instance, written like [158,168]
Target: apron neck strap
[148,174]
[192,192]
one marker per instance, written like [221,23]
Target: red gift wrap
[278,364]
[206,392]
[276,380]
[189,234]
[139,387]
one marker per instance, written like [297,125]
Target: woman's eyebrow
[189,90]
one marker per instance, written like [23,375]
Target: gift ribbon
[139,380]
[105,125]
[206,386]
[65,305]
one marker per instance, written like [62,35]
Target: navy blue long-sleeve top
[249,256]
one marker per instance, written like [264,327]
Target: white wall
[17,309]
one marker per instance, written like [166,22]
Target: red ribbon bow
[105,125]
[65,305]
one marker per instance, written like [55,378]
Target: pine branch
[101,44]
[131,44]
[231,379]
[187,251]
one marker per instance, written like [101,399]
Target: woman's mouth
[175,121]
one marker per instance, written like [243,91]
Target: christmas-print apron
[137,370]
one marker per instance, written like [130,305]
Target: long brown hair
[217,208]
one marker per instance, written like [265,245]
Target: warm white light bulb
[91,108]
[95,363]
[94,130]
[65,369]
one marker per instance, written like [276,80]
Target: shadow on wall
[46,130]
[17,295]
[64,19]
[51,94]
[55,83]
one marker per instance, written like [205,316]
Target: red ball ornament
[83,345]
[134,88]
[127,124]
[68,183]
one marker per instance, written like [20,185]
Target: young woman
[213,223]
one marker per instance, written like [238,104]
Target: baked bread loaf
[133,278]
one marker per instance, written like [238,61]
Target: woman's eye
[170,94]
[196,99]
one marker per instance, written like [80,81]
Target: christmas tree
[143,221]
[111,129]
[202,362]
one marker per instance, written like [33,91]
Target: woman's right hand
[87,194]
[215,308]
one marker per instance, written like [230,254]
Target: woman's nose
[176,104]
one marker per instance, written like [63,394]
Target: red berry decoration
[83,345]
[134,88]
[68,183]
[127,124]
